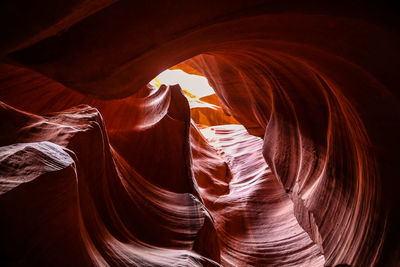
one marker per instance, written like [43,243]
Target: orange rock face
[295,163]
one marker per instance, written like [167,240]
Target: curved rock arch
[310,80]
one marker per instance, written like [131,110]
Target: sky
[195,84]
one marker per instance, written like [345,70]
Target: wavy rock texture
[310,180]
[254,215]
[84,200]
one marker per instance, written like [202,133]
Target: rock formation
[293,164]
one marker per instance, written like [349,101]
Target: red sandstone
[99,168]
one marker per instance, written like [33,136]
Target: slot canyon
[292,161]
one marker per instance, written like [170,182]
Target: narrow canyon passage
[255,218]
[288,158]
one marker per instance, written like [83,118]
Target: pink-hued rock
[254,218]
[97,168]
[75,195]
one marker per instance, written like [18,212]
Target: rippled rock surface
[98,168]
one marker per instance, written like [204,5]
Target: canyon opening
[220,143]
[267,135]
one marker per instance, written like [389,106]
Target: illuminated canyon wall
[99,168]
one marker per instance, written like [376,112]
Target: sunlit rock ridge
[293,162]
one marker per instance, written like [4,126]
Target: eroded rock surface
[98,166]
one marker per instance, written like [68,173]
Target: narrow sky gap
[194,86]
